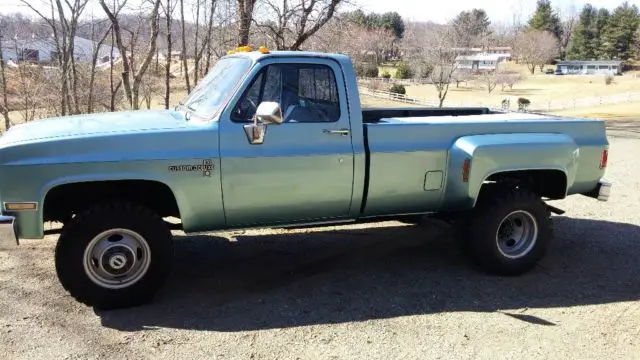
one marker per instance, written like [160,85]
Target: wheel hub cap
[517,234]
[116,258]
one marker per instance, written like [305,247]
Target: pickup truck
[280,139]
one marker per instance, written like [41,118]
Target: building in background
[480,62]
[44,51]
[589,67]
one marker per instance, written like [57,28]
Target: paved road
[385,292]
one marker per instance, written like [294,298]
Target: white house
[588,67]
[479,62]
[44,50]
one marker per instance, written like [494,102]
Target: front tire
[508,232]
[114,255]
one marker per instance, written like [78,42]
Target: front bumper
[601,191]
[8,236]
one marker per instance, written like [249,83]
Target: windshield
[206,98]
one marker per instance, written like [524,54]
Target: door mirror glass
[269,112]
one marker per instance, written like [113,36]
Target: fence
[586,102]
[535,105]
[386,95]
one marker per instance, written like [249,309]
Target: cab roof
[256,55]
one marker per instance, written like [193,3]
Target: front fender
[496,153]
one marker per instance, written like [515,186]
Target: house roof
[480,57]
[590,62]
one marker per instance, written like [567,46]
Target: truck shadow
[281,281]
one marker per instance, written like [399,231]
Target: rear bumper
[8,236]
[601,191]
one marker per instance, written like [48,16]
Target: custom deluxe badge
[206,167]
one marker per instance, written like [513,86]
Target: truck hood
[91,125]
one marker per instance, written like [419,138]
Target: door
[303,171]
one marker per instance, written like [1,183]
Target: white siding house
[589,67]
[479,62]
[44,50]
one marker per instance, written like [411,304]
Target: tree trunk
[112,104]
[5,102]
[126,70]
[167,73]
[184,48]
[195,45]
[245,15]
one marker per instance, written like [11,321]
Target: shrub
[367,70]
[608,79]
[398,89]
[523,104]
[403,71]
[386,75]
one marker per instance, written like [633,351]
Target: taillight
[466,166]
[604,158]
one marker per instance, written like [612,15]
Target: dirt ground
[386,291]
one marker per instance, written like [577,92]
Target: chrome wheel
[517,234]
[117,258]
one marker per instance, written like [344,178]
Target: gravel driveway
[372,292]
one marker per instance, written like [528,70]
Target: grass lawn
[623,112]
[540,89]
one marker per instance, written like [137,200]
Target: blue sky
[500,11]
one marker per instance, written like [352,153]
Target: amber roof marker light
[248,48]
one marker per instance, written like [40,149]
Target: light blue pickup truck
[279,139]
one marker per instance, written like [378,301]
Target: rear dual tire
[507,233]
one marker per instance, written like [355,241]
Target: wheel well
[551,184]
[63,201]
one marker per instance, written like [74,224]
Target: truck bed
[403,150]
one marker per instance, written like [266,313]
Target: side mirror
[268,112]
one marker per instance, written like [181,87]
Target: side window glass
[306,93]
[246,107]
[316,95]
[273,85]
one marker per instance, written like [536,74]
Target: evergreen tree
[602,19]
[393,21]
[545,19]
[390,21]
[471,26]
[620,32]
[584,37]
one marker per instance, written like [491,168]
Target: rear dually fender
[477,158]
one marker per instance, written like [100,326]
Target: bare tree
[569,19]
[463,76]
[4,107]
[536,48]
[184,56]
[290,23]
[168,13]
[131,81]
[64,29]
[489,79]
[438,47]
[245,16]
[506,78]
[94,61]
[199,51]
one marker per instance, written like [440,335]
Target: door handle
[343,132]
